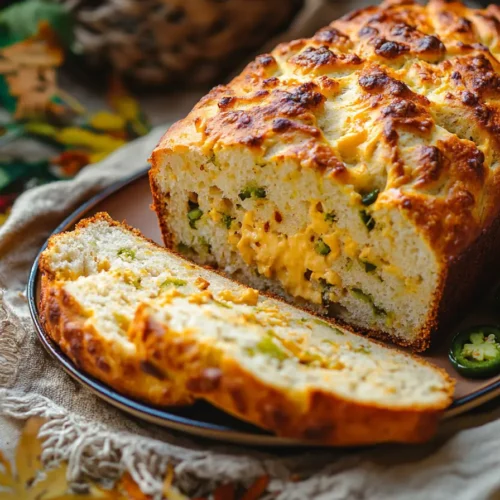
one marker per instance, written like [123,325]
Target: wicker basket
[154,42]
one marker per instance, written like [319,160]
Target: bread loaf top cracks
[403,98]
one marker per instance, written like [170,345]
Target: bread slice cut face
[157,327]
[93,279]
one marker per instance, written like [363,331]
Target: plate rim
[149,412]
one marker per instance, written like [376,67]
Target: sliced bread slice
[93,279]
[289,372]
[153,325]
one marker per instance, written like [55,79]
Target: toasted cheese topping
[249,296]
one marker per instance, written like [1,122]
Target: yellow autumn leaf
[126,106]
[122,102]
[10,496]
[129,109]
[75,496]
[170,492]
[32,483]
[107,121]
[42,129]
[29,482]
[6,477]
[95,493]
[173,493]
[54,484]
[28,452]
[97,157]
[79,137]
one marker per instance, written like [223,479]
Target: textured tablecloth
[463,463]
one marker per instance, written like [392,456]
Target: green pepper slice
[252,192]
[322,248]
[475,352]
[370,198]
[367,219]
[194,214]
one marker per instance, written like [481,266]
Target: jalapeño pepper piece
[322,248]
[194,214]
[475,352]
[370,198]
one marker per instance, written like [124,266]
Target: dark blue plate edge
[105,390]
[68,365]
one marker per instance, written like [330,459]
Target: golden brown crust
[65,322]
[320,417]
[160,206]
[468,276]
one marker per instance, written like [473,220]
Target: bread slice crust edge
[322,418]
[64,321]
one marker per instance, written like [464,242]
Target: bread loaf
[355,173]
[155,326]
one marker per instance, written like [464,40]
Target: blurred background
[80,78]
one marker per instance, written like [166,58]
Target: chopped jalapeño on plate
[475,352]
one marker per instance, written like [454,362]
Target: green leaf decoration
[9,132]
[22,171]
[60,120]
[21,20]
[6,38]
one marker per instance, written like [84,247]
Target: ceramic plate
[130,200]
